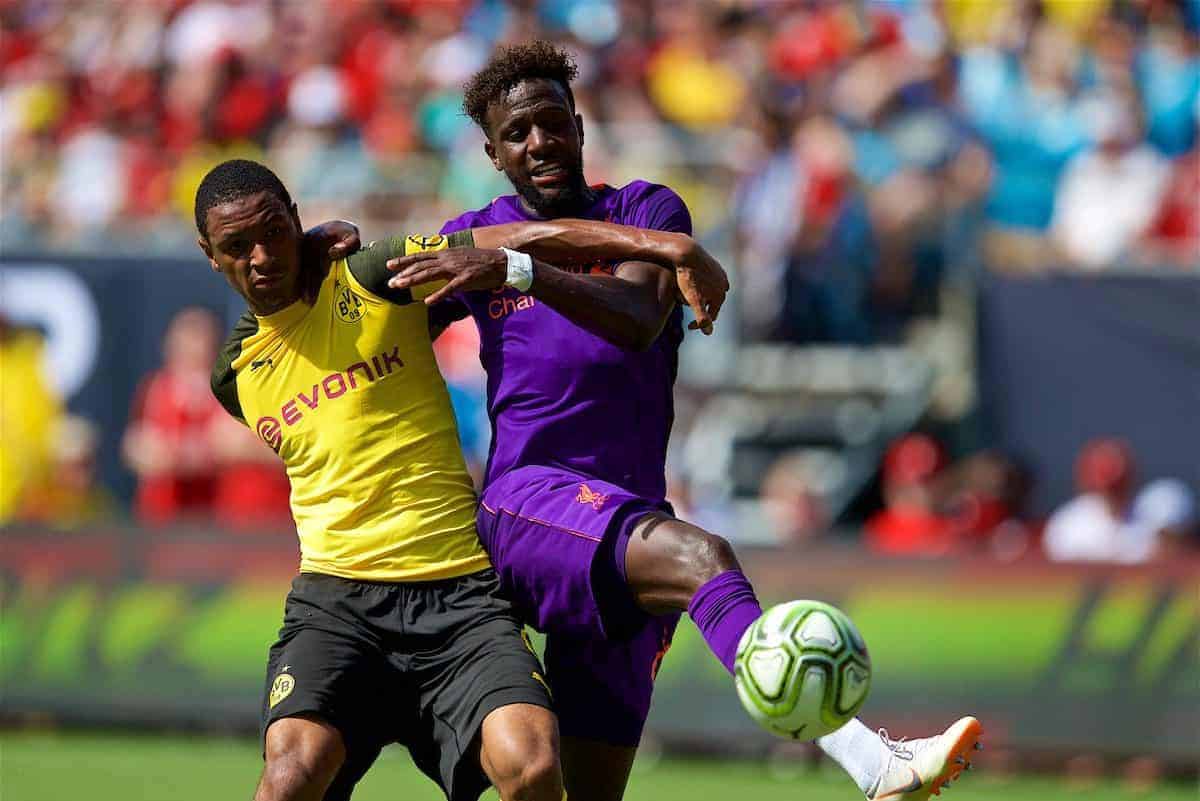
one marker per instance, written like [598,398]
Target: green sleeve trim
[224,377]
[369,265]
[461,239]
[369,268]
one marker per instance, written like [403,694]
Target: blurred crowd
[848,160]
[850,155]
[195,465]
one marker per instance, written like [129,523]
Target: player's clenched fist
[702,283]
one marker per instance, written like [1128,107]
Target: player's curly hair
[233,179]
[512,65]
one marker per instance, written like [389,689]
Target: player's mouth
[268,281]
[549,175]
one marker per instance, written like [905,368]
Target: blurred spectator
[29,414]
[1108,195]
[985,491]
[910,522]
[792,499]
[1174,236]
[252,489]
[111,115]
[168,443]
[69,495]
[1028,113]
[1097,525]
[1168,507]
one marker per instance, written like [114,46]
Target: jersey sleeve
[369,265]
[224,377]
[658,208]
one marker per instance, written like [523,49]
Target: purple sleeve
[658,208]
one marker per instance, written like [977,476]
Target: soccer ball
[802,670]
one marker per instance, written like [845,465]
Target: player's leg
[321,699]
[519,753]
[595,770]
[602,690]
[484,707]
[303,755]
[673,565]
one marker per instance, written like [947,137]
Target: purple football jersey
[560,396]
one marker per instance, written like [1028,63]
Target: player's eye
[274,231]
[237,247]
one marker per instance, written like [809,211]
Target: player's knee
[706,556]
[302,759]
[668,560]
[539,779]
[520,755]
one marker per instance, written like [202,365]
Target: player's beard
[565,201]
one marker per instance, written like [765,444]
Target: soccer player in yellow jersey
[394,631]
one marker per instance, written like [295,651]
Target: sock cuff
[719,593]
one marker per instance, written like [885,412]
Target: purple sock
[723,608]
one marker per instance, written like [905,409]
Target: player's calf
[303,755]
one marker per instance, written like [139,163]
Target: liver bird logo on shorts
[586,495]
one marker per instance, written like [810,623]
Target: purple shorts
[557,540]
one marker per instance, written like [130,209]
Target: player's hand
[333,240]
[702,283]
[463,270]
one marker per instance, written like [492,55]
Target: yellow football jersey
[347,392]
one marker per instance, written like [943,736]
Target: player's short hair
[511,66]
[234,179]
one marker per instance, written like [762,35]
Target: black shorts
[419,663]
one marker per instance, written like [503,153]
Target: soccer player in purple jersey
[581,364]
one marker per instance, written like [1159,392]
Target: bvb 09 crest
[348,306]
[282,687]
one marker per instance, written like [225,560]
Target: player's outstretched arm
[700,278]
[628,309]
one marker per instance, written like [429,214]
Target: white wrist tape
[520,270]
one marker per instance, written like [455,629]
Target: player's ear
[490,150]
[207,248]
[295,212]
[579,127]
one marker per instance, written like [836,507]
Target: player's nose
[260,256]
[538,141]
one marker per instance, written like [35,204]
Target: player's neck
[575,207]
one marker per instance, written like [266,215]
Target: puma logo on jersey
[260,363]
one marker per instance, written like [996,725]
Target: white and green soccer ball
[802,670]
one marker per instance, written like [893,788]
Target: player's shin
[723,608]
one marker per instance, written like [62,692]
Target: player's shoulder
[651,205]
[481,217]
[639,193]
[639,189]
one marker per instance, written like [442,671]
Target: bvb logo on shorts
[348,306]
[282,688]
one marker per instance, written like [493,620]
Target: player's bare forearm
[574,241]
[628,309]
[702,281]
